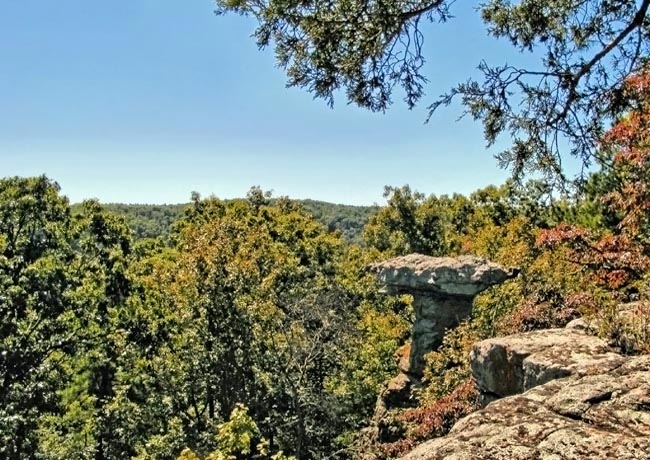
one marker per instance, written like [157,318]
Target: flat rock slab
[452,276]
[599,416]
[510,365]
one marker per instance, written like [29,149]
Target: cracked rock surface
[579,401]
[509,365]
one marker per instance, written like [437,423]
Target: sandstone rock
[403,358]
[397,390]
[463,276]
[582,325]
[510,365]
[599,416]
[443,289]
[395,393]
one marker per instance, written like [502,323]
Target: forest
[252,329]
[153,221]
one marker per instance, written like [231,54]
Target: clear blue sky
[147,100]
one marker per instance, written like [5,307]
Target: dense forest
[153,220]
[250,329]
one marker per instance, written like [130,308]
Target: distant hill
[154,220]
[349,219]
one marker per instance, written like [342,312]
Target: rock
[509,365]
[604,415]
[403,358]
[463,276]
[443,289]
[582,325]
[397,391]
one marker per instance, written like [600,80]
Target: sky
[145,101]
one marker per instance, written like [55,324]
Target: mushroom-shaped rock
[443,289]
[464,276]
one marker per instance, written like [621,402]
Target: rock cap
[464,276]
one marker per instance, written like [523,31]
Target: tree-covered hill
[155,220]
[349,219]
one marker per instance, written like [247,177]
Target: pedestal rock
[443,289]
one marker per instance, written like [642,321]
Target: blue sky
[147,100]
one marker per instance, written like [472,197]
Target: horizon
[113,106]
[147,101]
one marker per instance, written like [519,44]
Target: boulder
[396,392]
[443,289]
[403,358]
[603,415]
[510,365]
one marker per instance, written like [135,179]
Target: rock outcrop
[443,289]
[510,365]
[548,395]
[578,400]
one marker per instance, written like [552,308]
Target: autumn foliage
[619,258]
[435,419]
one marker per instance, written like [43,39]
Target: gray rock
[510,365]
[443,289]
[604,415]
[463,276]
[581,324]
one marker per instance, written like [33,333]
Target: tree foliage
[157,220]
[584,51]
[253,331]
[618,256]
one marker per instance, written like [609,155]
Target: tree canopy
[252,331]
[366,49]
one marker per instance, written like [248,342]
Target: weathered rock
[582,325]
[403,358]
[510,365]
[396,393]
[599,416]
[443,289]
[463,276]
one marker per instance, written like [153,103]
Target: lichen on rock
[580,400]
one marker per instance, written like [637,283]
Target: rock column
[443,289]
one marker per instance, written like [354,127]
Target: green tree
[39,317]
[411,222]
[102,246]
[262,319]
